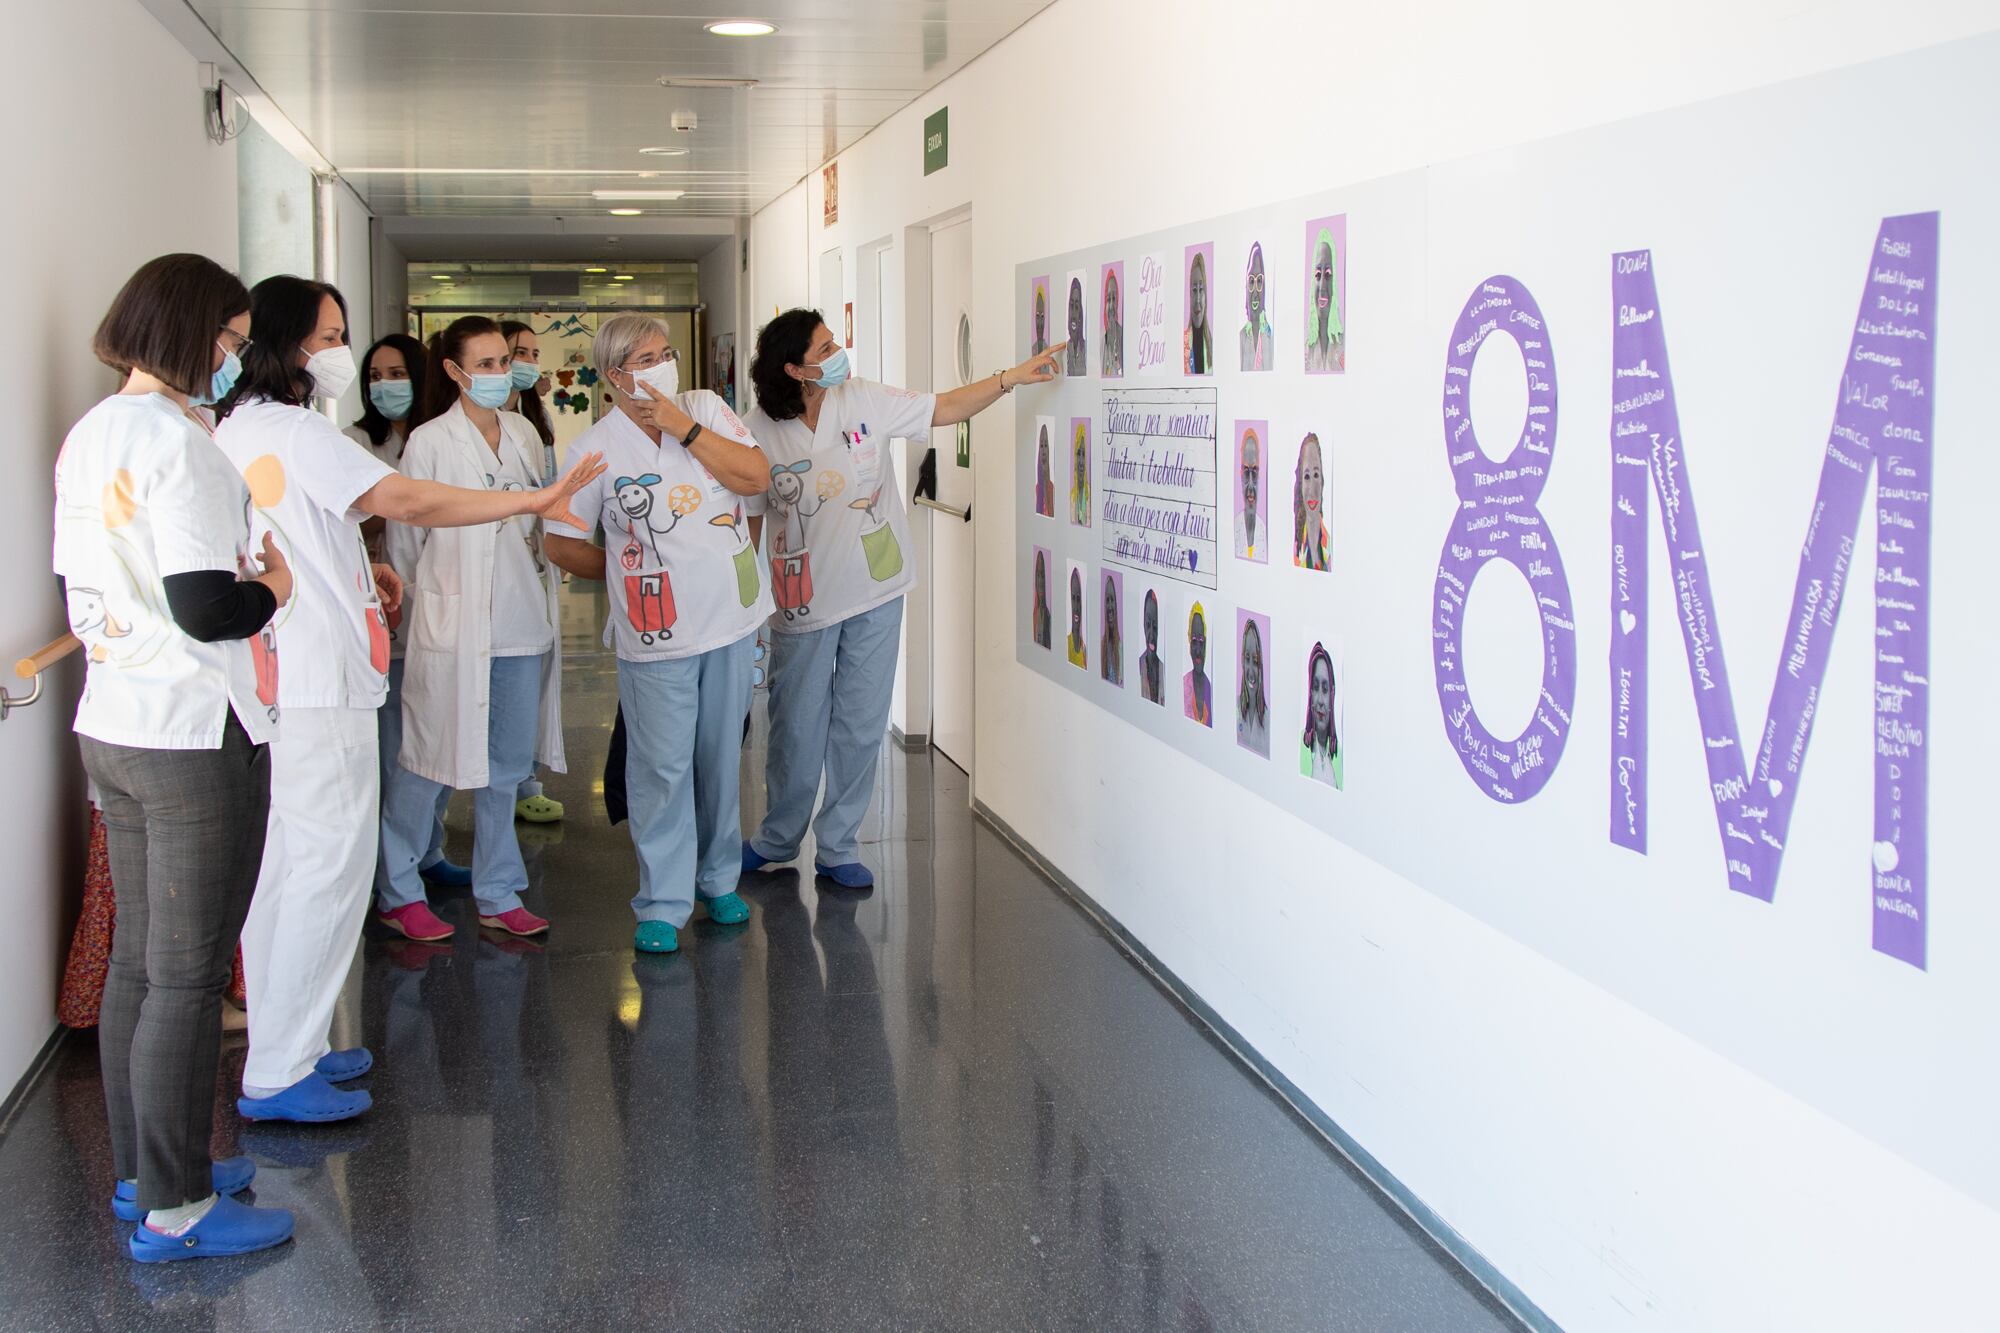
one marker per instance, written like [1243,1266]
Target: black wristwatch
[687,440]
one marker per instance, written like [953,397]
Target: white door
[951,539]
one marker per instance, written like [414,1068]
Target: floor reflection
[946,1103]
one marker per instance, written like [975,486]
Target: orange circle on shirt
[266,478]
[118,502]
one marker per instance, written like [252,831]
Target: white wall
[351,268]
[130,175]
[1621,1173]
[720,281]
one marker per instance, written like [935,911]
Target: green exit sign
[937,140]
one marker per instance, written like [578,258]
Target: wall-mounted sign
[937,140]
[965,444]
[830,178]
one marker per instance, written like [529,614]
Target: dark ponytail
[440,391]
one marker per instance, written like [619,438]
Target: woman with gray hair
[687,597]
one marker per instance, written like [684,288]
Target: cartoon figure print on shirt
[745,557]
[878,542]
[110,638]
[791,556]
[649,592]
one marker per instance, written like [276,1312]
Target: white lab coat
[448,612]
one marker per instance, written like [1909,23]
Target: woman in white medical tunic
[482,675]
[687,598]
[836,538]
[311,487]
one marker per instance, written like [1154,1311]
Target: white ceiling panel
[410,98]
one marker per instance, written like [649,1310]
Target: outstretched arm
[432,504]
[963,404]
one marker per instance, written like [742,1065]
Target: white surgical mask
[332,370]
[658,382]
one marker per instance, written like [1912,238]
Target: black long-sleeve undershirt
[213,605]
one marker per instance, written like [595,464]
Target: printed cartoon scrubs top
[834,528]
[678,563]
[304,477]
[142,493]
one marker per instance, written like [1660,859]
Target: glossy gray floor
[950,1103]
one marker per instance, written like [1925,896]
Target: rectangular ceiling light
[612,195]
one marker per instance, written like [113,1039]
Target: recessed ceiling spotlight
[741,28]
[664,152]
[621,277]
[626,212]
[596,270]
[443,277]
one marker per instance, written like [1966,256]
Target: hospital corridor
[1023,665]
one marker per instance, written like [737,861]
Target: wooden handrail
[35,663]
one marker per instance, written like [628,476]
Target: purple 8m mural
[1881,425]
[1499,518]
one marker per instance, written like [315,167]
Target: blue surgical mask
[491,390]
[525,373]
[833,370]
[222,381]
[393,398]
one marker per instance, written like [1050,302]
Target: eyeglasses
[636,365]
[242,344]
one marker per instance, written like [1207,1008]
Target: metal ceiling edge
[188,28]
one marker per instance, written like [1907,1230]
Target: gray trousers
[186,834]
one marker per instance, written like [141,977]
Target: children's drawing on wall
[1197,691]
[1045,482]
[1309,535]
[1077,360]
[1111,348]
[1111,628]
[791,552]
[1252,509]
[1077,646]
[1079,475]
[1152,672]
[1326,299]
[1040,622]
[1253,706]
[1040,342]
[1197,338]
[1319,748]
[1255,344]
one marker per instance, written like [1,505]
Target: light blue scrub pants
[683,756]
[389,744]
[513,722]
[830,693]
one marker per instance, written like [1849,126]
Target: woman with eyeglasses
[837,534]
[687,597]
[311,487]
[152,541]
[482,682]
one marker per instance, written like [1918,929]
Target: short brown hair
[165,319]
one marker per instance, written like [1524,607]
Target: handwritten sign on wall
[1157,500]
[1150,327]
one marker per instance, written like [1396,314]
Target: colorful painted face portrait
[1111,629]
[1253,713]
[1320,756]
[1252,507]
[1111,350]
[1197,339]
[1040,620]
[1255,348]
[1326,296]
[1076,647]
[1075,355]
[1309,530]
[1079,484]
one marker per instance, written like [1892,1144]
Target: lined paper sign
[1157,501]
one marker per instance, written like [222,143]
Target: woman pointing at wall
[836,535]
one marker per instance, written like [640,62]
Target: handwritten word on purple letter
[1499,519]
[1881,424]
